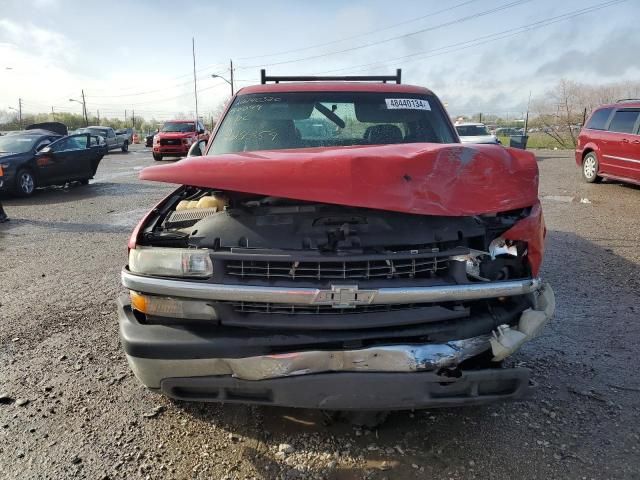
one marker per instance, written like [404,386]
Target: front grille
[166,141]
[420,267]
[291,309]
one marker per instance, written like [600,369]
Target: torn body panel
[419,178]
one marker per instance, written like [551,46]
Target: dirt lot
[86,416]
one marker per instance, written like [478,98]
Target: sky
[476,55]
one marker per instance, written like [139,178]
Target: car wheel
[84,181]
[590,168]
[25,183]
[125,146]
[157,157]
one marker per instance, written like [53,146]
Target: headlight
[171,262]
[188,141]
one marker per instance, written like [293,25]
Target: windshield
[179,127]
[329,119]
[472,130]
[16,144]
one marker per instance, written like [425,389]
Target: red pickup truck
[335,246]
[176,137]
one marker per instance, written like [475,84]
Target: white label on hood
[407,103]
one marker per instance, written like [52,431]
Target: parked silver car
[475,133]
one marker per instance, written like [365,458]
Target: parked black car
[148,139]
[36,158]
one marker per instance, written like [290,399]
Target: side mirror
[197,149]
[200,131]
[46,149]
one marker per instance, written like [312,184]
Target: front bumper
[7,180]
[357,391]
[179,150]
[216,363]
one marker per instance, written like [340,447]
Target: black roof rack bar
[358,78]
[622,100]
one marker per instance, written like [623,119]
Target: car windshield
[472,130]
[16,143]
[178,127]
[330,119]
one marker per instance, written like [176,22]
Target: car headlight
[188,141]
[171,262]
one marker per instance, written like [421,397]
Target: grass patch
[541,140]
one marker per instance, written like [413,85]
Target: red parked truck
[176,137]
[337,247]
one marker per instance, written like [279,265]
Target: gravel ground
[70,408]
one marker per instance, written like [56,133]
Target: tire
[590,168]
[84,181]
[125,146]
[25,183]
[157,157]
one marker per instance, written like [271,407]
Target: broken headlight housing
[171,262]
[504,260]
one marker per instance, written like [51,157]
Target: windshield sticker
[407,104]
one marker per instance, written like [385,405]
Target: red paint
[420,178]
[533,231]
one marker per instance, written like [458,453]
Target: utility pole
[526,120]
[480,117]
[133,118]
[53,114]
[125,116]
[231,70]
[84,110]
[195,88]
[20,112]
[98,116]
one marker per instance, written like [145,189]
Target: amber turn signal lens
[138,302]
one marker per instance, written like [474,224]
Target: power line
[397,37]
[481,40]
[344,39]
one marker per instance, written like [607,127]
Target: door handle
[636,141]
[625,140]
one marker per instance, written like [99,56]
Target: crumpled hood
[419,178]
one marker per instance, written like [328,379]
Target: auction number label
[407,103]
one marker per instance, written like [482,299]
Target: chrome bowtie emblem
[344,296]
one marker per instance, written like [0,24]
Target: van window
[623,121]
[598,120]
